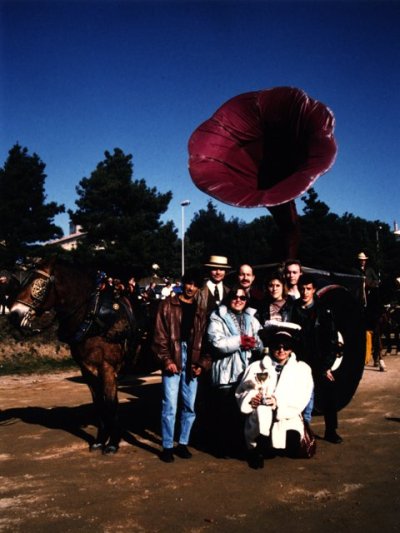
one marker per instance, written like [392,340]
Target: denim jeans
[307,413]
[175,386]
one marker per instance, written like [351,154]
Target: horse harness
[102,311]
[39,289]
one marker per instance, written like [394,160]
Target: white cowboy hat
[362,256]
[218,261]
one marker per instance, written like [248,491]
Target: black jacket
[318,339]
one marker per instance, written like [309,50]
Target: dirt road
[51,482]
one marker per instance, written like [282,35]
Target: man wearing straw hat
[209,298]
[371,278]
[370,300]
[214,290]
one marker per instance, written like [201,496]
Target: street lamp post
[184,204]
[378,251]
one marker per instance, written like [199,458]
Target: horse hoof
[110,449]
[96,447]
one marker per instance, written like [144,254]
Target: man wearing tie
[214,290]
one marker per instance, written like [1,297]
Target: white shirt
[211,286]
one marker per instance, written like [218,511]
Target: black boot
[255,458]
[332,436]
[167,455]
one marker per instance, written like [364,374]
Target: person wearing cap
[234,343]
[178,334]
[213,292]
[273,393]
[318,346]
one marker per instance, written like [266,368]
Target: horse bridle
[39,289]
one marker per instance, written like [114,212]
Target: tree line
[121,217]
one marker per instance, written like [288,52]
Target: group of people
[259,356]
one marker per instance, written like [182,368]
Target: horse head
[34,295]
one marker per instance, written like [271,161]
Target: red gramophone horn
[264,148]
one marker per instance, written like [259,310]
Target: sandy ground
[51,482]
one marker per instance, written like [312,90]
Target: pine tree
[121,216]
[25,216]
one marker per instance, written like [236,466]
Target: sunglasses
[283,346]
[237,297]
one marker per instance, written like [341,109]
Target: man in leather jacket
[178,335]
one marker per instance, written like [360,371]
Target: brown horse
[97,324]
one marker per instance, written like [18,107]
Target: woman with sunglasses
[234,343]
[273,394]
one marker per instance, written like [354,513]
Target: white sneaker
[382,366]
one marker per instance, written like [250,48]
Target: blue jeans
[307,413]
[175,386]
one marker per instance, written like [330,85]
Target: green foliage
[25,216]
[34,354]
[125,236]
[333,243]
[314,207]
[328,241]
[211,234]
[211,229]
[319,245]
[259,241]
[122,216]
[28,362]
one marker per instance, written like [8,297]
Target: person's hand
[256,400]
[271,401]
[196,371]
[247,342]
[329,375]
[171,368]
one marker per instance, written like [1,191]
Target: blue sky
[82,77]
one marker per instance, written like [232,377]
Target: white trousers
[257,423]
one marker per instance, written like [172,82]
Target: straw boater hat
[362,256]
[218,261]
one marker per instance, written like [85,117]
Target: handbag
[308,443]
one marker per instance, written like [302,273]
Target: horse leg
[94,382]
[110,409]
[99,362]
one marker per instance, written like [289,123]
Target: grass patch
[23,363]
[28,355]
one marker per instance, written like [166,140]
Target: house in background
[69,242]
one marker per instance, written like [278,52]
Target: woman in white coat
[273,393]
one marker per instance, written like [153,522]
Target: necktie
[216,293]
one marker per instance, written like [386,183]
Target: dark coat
[285,311]
[318,340]
[167,334]
[206,299]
